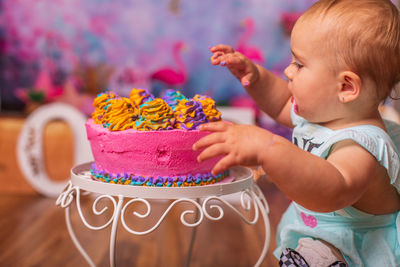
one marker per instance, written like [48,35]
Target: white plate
[240,179]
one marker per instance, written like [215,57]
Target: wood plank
[57,153]
[33,233]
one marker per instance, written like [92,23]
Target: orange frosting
[120,114]
[155,114]
[209,107]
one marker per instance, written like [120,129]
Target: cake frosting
[147,141]
[189,114]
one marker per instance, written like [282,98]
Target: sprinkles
[159,181]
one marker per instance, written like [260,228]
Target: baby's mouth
[295,106]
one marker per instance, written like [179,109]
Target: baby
[342,169]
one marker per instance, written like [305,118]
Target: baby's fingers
[218,126]
[223,48]
[232,60]
[212,152]
[224,164]
[246,80]
[222,59]
[216,58]
[208,140]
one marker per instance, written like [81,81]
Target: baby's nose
[289,72]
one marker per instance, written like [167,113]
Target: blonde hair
[364,35]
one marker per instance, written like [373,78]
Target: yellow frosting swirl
[154,115]
[209,107]
[99,103]
[189,114]
[120,114]
[142,111]
[139,96]
[101,99]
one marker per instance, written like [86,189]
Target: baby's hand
[239,65]
[239,144]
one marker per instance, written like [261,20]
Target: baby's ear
[350,86]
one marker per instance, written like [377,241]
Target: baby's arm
[268,90]
[315,183]
[318,184]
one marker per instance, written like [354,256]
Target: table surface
[240,179]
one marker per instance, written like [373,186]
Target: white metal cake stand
[240,180]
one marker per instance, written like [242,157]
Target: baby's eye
[297,64]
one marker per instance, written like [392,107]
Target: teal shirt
[364,239]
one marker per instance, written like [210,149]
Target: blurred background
[66,50]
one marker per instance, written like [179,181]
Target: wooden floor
[33,232]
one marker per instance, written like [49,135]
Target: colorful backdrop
[60,49]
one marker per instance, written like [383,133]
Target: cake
[142,140]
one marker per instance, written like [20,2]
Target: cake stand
[203,199]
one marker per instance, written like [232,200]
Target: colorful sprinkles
[138,180]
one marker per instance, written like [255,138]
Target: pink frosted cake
[147,141]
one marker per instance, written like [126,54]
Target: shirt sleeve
[377,142]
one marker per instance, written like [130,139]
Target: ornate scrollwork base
[250,199]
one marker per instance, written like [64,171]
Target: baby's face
[312,82]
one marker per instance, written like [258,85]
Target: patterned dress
[364,239]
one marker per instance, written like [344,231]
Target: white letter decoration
[30,145]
